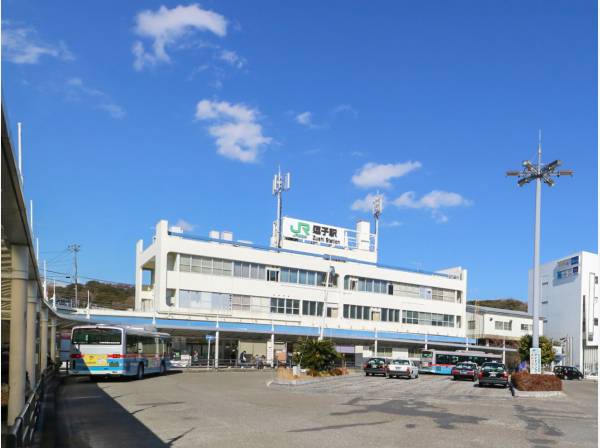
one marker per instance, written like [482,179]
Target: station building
[313,279]
[569,296]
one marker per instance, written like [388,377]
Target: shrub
[525,344]
[527,382]
[316,356]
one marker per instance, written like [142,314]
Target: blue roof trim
[297,252]
[203,325]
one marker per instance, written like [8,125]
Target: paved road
[238,409]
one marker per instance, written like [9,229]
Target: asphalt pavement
[240,409]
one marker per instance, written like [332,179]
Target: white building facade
[284,290]
[569,304]
[499,324]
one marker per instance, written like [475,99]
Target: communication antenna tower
[280,184]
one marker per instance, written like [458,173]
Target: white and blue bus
[109,350]
[441,362]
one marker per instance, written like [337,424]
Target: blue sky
[135,112]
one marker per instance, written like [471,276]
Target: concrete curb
[539,394]
[204,370]
[291,383]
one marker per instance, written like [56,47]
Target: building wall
[512,325]
[570,299]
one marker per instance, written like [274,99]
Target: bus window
[97,336]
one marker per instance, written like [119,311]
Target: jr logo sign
[302,229]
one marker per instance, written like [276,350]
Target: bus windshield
[97,336]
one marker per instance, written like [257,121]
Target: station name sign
[312,232]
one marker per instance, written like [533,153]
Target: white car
[401,367]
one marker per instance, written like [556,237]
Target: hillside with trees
[505,304]
[106,295]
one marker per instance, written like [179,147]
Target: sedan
[493,373]
[465,370]
[374,366]
[401,367]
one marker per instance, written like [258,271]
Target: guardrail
[22,431]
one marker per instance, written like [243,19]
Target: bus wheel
[163,370]
[140,372]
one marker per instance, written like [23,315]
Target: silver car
[401,367]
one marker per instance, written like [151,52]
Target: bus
[111,350]
[441,362]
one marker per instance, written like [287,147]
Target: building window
[595,321]
[471,325]
[312,308]
[390,315]
[204,265]
[501,325]
[357,312]
[204,300]
[285,306]
[526,327]
[433,319]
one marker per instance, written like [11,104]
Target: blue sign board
[209,337]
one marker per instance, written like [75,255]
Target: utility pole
[538,172]
[75,248]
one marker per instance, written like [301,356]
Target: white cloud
[434,201]
[345,108]
[305,119]
[185,226]
[236,129]
[166,26]
[365,204]
[379,175]
[232,58]
[78,90]
[391,223]
[20,45]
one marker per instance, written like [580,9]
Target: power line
[91,278]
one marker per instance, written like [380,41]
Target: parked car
[465,370]
[568,373]
[401,367]
[374,366]
[492,373]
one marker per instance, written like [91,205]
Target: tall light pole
[539,172]
[330,275]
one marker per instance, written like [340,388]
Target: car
[401,367]
[568,373]
[374,366]
[465,370]
[493,373]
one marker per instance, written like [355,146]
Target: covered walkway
[28,323]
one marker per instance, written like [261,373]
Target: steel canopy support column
[273,364]
[43,338]
[217,349]
[30,344]
[503,351]
[376,348]
[53,339]
[17,365]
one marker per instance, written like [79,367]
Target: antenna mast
[280,184]
[377,209]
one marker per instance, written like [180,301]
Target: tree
[315,355]
[526,342]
